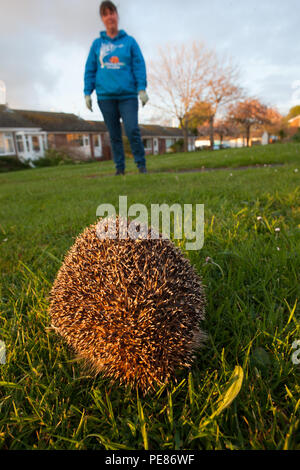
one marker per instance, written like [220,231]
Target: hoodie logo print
[114,62]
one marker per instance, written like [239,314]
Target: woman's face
[110,19]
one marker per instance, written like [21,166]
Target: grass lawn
[252,288]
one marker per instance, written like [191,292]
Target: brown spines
[130,308]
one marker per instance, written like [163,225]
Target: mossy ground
[253,317]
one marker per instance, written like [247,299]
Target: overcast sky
[44,45]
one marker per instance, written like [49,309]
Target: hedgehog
[130,308]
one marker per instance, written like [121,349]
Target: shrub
[53,157]
[12,163]
[178,146]
[296,137]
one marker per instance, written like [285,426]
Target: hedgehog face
[130,308]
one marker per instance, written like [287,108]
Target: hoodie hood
[120,35]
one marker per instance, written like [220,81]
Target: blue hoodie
[115,67]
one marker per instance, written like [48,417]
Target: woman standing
[116,69]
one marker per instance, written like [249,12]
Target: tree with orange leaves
[194,84]
[248,113]
[277,124]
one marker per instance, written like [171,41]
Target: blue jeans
[126,109]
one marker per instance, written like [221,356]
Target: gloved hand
[88,101]
[143,97]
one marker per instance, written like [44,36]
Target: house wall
[60,140]
[265,138]
[295,122]
[163,144]
[84,145]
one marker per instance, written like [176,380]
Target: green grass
[235,157]
[252,286]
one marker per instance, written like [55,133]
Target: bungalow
[159,139]
[19,136]
[27,134]
[69,131]
[156,139]
[258,137]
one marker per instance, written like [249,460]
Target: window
[96,140]
[75,139]
[9,143]
[20,144]
[2,149]
[35,143]
[27,143]
[6,144]
[169,143]
[147,144]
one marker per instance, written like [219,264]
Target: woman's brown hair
[109,5]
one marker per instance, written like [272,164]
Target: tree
[194,84]
[225,128]
[222,127]
[248,113]
[277,124]
[178,78]
[222,89]
[198,115]
[294,111]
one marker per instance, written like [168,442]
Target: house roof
[149,130]
[66,122]
[98,126]
[56,122]
[10,118]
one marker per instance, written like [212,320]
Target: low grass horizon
[250,265]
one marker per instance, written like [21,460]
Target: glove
[88,101]
[143,97]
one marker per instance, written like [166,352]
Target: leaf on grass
[235,385]
[10,385]
[52,256]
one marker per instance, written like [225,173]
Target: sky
[44,46]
